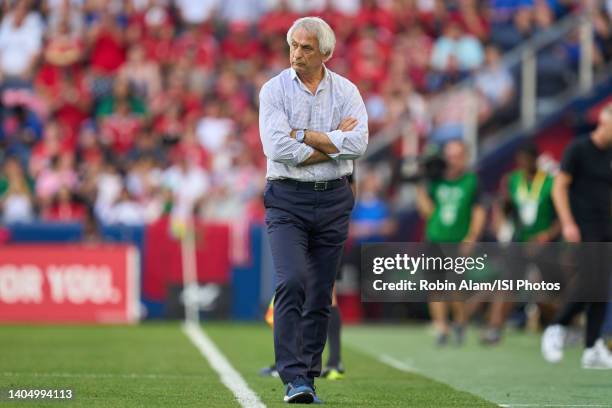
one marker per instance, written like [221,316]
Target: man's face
[455,155]
[492,56]
[453,31]
[526,162]
[304,53]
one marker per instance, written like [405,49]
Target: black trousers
[595,311]
[307,230]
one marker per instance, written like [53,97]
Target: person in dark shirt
[582,194]
[587,171]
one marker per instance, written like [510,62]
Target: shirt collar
[322,84]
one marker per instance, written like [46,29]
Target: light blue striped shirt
[285,104]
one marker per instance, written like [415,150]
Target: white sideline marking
[405,366]
[397,364]
[409,368]
[551,405]
[229,376]
[97,375]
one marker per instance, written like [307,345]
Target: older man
[313,124]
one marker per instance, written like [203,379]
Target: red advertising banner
[69,283]
[163,263]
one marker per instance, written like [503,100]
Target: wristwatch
[300,135]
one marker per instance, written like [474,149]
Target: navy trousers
[307,230]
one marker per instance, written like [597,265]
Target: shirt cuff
[337,138]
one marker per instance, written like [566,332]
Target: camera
[430,166]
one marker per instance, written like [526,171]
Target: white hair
[317,26]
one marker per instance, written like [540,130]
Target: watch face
[300,136]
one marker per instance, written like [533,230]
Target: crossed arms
[323,147]
[347,142]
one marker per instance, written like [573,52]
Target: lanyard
[525,193]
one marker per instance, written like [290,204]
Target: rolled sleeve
[352,144]
[300,155]
[274,131]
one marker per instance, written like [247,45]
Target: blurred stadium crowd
[121,111]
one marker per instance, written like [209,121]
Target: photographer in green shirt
[453,213]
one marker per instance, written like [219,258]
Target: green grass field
[156,365]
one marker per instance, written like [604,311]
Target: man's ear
[326,57]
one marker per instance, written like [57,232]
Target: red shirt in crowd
[108,53]
[202,46]
[67,90]
[240,45]
[276,22]
[119,131]
[65,212]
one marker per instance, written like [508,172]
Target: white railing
[525,56]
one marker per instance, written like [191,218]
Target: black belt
[314,185]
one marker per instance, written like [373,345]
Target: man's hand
[347,124]
[321,143]
[425,204]
[571,232]
[353,189]
[466,248]
[550,234]
[542,237]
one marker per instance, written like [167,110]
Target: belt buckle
[323,185]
